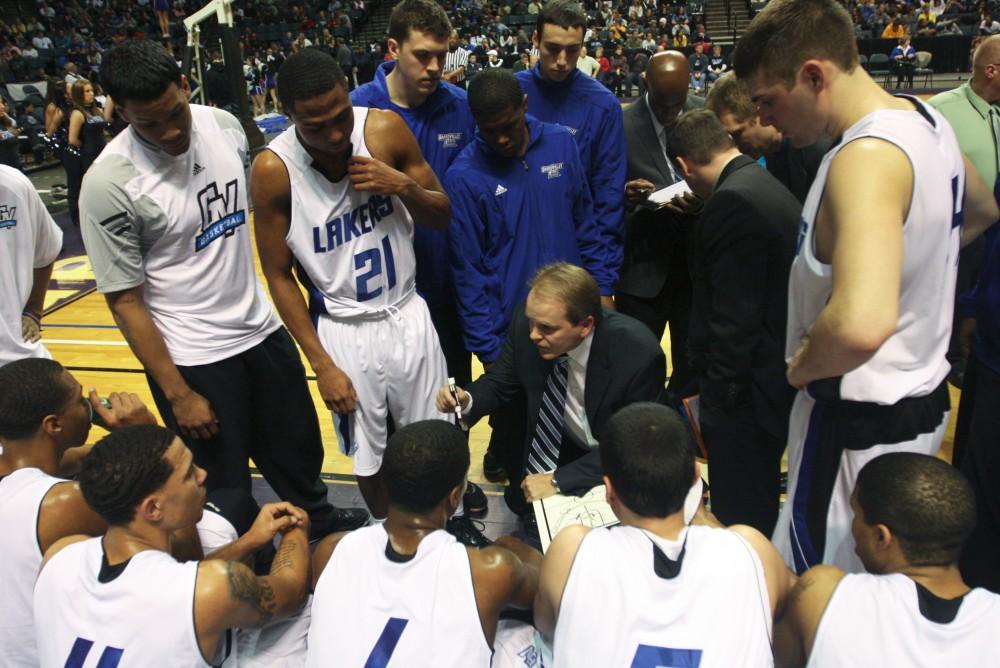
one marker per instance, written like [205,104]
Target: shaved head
[987,52]
[667,79]
[985,69]
[669,72]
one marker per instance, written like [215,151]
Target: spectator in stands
[989,25]
[904,61]
[10,149]
[523,63]
[699,36]
[619,71]
[879,20]
[637,69]
[162,10]
[717,65]
[33,125]
[699,69]
[604,72]
[588,63]
[895,29]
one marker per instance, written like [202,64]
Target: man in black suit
[655,282]
[577,365]
[744,246]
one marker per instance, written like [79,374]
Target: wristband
[37,317]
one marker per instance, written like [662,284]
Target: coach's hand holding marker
[454,393]
[336,389]
[452,399]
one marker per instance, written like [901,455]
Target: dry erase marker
[454,393]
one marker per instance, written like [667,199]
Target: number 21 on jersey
[371,263]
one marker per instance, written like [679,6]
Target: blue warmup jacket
[443,126]
[593,114]
[510,216]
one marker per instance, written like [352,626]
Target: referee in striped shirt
[455,62]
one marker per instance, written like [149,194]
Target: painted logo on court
[219,217]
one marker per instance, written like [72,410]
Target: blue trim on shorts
[803,551]
[344,429]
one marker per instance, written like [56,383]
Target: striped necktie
[544,454]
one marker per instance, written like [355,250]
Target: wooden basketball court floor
[80,333]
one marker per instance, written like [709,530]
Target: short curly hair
[30,389]
[124,468]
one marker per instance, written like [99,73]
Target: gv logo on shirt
[7,216]
[219,216]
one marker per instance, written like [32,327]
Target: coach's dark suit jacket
[626,365]
[744,245]
[651,237]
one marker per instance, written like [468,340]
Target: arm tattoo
[246,588]
[283,559]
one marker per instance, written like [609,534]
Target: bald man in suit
[655,283]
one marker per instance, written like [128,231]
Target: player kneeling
[405,592]
[122,598]
[912,515]
[656,591]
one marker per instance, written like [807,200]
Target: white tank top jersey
[876,620]
[179,226]
[21,495]
[627,605]
[140,613]
[29,239]
[356,248]
[373,609]
[911,362]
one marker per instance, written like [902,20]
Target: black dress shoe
[466,532]
[340,519]
[493,469]
[474,501]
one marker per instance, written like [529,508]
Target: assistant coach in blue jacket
[560,93]
[519,201]
[438,116]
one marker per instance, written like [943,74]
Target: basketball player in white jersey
[338,193]
[44,421]
[29,243]
[122,598]
[912,515]
[656,590]
[872,286]
[405,592]
[165,222]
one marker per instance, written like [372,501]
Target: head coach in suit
[744,246]
[577,364]
[655,282]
